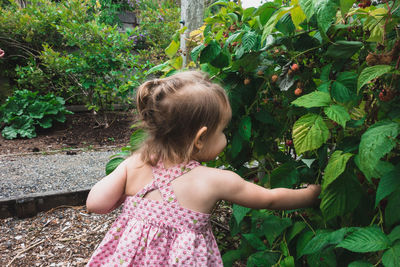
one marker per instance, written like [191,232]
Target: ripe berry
[265,100]
[274,78]
[295,67]
[289,142]
[260,73]
[256,180]
[246,81]
[298,91]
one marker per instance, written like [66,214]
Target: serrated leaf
[392,215]
[274,226]
[314,99]
[391,257]
[249,40]
[273,20]
[286,175]
[375,143]
[171,50]
[338,114]
[194,54]
[262,258]
[345,5]
[369,239]
[231,256]
[113,164]
[325,72]
[394,234]
[323,239]
[210,52]
[297,14]
[308,7]
[254,241]
[336,166]
[326,12]
[237,143]
[389,183]
[343,49]
[239,212]
[245,128]
[296,229]
[340,197]
[371,73]
[46,122]
[340,92]
[323,258]
[309,132]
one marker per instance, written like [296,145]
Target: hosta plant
[25,111]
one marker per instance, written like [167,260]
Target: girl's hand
[1,53]
[314,191]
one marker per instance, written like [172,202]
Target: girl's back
[154,229]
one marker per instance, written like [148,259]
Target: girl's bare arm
[108,193]
[231,187]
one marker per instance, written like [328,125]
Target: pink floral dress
[159,233]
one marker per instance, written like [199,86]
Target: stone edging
[30,205]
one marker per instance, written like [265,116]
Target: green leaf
[210,52]
[113,164]
[340,197]
[274,226]
[9,132]
[345,5]
[171,50]
[389,183]
[295,230]
[323,258]
[309,132]
[360,264]
[287,262]
[375,143]
[323,239]
[336,166]
[239,212]
[391,257]
[325,72]
[137,138]
[222,60]
[340,92]
[338,114]
[314,99]
[262,258]
[371,73]
[245,128]
[285,175]
[394,234]
[46,122]
[308,7]
[326,13]
[297,15]
[231,256]
[265,117]
[270,25]
[158,67]
[369,239]
[343,49]
[392,215]
[194,54]
[237,143]
[254,241]
[249,40]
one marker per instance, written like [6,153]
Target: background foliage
[314,87]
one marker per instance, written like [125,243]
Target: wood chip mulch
[67,236]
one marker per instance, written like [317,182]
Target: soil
[80,131]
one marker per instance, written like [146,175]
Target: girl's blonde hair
[173,109]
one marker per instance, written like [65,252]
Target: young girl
[168,196]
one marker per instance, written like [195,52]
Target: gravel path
[22,175]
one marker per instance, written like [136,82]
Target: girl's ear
[200,138]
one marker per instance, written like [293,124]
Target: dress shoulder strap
[163,177]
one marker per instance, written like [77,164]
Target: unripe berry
[274,78]
[295,67]
[246,81]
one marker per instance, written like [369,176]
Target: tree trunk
[192,13]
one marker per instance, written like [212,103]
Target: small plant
[25,110]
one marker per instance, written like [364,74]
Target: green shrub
[24,111]
[315,93]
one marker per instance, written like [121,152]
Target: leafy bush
[315,89]
[26,110]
